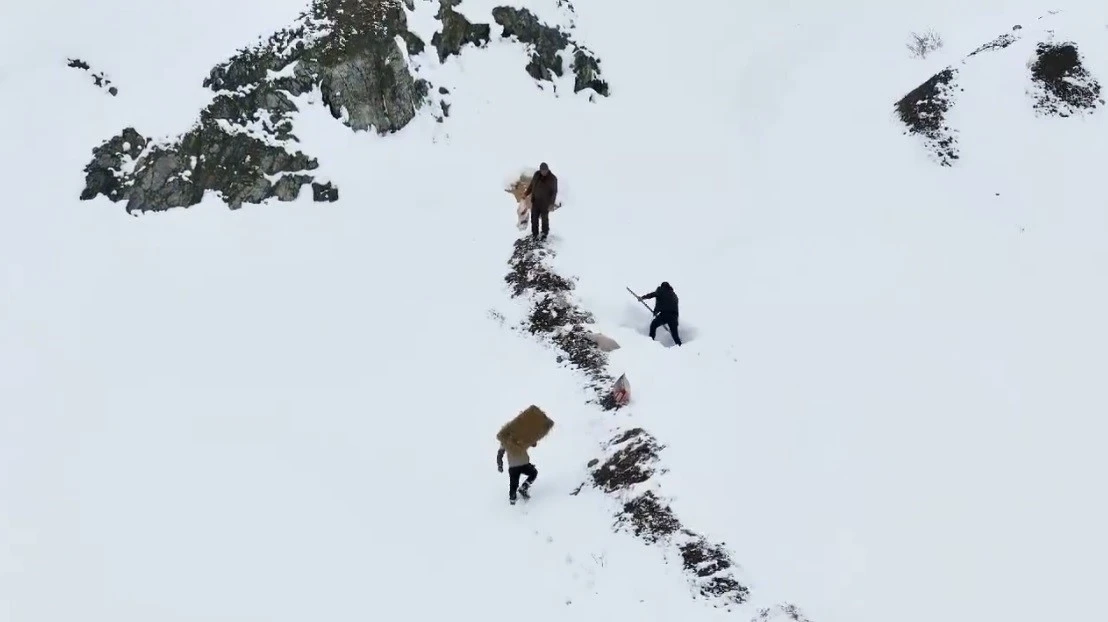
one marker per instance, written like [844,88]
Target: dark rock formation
[242,145]
[98,78]
[1063,86]
[324,193]
[549,46]
[457,31]
[923,111]
[999,43]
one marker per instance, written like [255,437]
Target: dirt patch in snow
[554,315]
[923,111]
[632,456]
[631,464]
[1062,85]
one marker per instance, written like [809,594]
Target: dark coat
[543,190]
[667,301]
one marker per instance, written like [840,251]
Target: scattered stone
[999,43]
[923,111]
[99,79]
[457,31]
[780,613]
[1062,85]
[548,46]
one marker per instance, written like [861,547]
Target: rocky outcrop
[99,79]
[356,54]
[549,47]
[457,31]
[923,111]
[1062,85]
[243,145]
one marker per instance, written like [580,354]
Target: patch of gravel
[1062,87]
[631,458]
[923,112]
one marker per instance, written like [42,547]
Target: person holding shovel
[665,310]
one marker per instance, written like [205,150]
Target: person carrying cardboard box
[516,438]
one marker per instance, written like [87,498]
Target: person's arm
[500,459]
[649,296]
[530,186]
[554,188]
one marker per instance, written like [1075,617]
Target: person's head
[665,285]
[544,169]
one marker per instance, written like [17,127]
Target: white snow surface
[890,404]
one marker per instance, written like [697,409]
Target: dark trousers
[513,478]
[670,322]
[540,214]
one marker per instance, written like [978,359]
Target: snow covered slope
[888,404]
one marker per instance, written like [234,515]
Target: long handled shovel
[647,307]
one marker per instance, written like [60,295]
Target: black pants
[540,214]
[513,477]
[670,322]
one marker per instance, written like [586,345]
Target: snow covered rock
[1062,84]
[457,31]
[548,44]
[923,111]
[98,78]
[1059,86]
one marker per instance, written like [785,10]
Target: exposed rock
[99,79]
[209,157]
[104,174]
[549,47]
[923,111]
[1062,85]
[242,146]
[457,31]
[999,43]
[324,192]
[631,464]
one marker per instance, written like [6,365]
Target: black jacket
[667,301]
[543,190]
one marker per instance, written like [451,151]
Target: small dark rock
[324,193]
